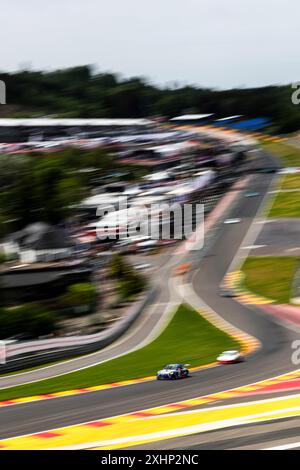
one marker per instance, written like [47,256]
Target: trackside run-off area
[270,276]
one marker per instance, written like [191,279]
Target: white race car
[229,357]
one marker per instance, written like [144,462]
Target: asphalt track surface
[273,358]
[265,435]
[279,237]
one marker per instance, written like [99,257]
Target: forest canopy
[79,92]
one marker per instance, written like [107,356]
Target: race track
[273,358]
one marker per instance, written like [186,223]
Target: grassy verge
[188,338]
[291,182]
[286,205]
[288,154]
[270,276]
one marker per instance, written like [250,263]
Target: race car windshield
[171,366]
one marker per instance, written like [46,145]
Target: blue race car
[173,372]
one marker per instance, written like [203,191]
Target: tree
[79,92]
[80,295]
[117,268]
[37,188]
[30,319]
[131,285]
[129,281]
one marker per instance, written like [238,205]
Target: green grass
[291,182]
[270,276]
[188,338]
[286,205]
[288,154]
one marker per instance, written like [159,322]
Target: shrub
[79,295]
[129,281]
[131,285]
[28,319]
[117,267]
[3,257]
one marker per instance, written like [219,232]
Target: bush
[80,295]
[131,285]
[28,319]
[130,282]
[3,257]
[117,267]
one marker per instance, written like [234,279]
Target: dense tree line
[78,92]
[47,187]
[39,187]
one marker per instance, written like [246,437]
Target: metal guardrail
[31,353]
